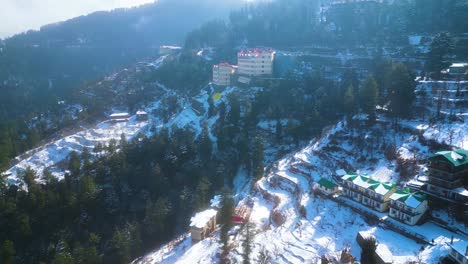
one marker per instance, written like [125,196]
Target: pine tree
[234,112]
[74,164]
[402,91]
[257,158]
[369,96]
[201,193]
[205,146]
[368,250]
[156,218]
[279,130]
[349,101]
[7,253]
[29,177]
[247,244]
[225,215]
[438,58]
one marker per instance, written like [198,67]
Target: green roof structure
[327,183]
[382,188]
[456,157]
[412,200]
[351,176]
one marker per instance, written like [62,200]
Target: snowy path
[52,154]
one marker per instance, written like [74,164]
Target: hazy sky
[20,15]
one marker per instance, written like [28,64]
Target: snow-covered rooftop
[117,115]
[457,157]
[461,191]
[364,182]
[460,246]
[382,188]
[384,253]
[412,200]
[340,172]
[459,64]
[202,218]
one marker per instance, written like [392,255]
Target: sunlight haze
[22,15]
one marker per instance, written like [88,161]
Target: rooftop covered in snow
[119,115]
[255,52]
[201,219]
[458,157]
[412,200]
[460,246]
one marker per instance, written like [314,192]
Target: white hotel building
[222,73]
[255,62]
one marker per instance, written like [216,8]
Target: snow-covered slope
[52,156]
[282,235]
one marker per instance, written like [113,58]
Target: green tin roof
[382,188]
[327,183]
[351,176]
[411,199]
[456,157]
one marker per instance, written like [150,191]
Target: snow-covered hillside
[189,114]
[282,235]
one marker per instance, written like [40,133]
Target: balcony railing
[403,209]
[440,167]
[445,184]
[446,175]
[377,199]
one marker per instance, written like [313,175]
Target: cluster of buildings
[447,174]
[403,205]
[251,63]
[125,117]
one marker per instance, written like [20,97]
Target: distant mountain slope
[39,69]
[63,55]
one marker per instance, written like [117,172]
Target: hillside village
[373,196]
[435,200]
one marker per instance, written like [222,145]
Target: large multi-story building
[222,73]
[407,207]
[448,172]
[255,62]
[372,193]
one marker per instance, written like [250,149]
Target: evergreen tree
[369,96]
[63,258]
[225,216]
[402,91]
[205,147]
[349,101]
[279,130]
[438,58]
[201,193]
[257,158]
[234,113]
[368,250]
[74,164]
[157,216]
[247,244]
[29,177]
[7,254]
[87,187]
